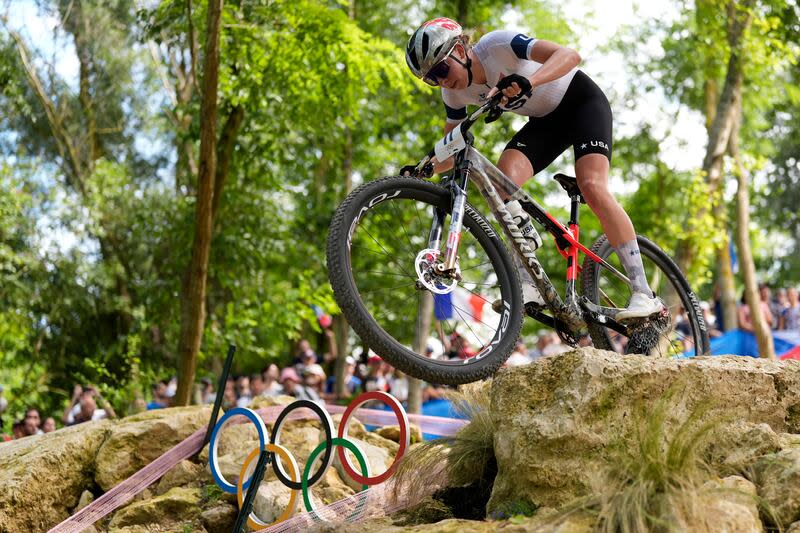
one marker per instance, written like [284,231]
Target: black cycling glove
[425,173]
[522,82]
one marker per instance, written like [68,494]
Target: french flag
[460,304]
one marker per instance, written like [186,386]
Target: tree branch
[192,44]
[66,150]
[227,142]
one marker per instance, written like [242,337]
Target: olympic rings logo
[279,456]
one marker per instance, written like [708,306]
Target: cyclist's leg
[593,147]
[533,148]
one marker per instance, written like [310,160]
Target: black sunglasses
[439,71]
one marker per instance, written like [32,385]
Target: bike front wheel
[377,249]
[683,332]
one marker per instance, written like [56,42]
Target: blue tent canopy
[739,342]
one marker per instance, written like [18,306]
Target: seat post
[575,204]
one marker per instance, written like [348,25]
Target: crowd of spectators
[310,376]
[781,309]
[82,408]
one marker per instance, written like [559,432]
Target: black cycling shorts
[582,120]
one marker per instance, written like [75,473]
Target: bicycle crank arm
[535,312]
[603,315]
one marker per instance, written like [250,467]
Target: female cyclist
[539,79]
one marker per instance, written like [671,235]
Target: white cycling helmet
[430,44]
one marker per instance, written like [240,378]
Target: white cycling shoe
[641,306]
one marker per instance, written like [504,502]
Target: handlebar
[491,107]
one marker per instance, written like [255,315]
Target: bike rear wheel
[683,332]
[376,239]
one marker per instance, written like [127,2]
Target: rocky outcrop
[137,440]
[183,474]
[557,418]
[42,477]
[730,504]
[178,505]
[778,480]
[555,425]
[393,433]
[219,519]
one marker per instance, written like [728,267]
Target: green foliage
[211,493]
[92,259]
[514,511]
[691,69]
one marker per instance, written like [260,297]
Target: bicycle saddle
[570,184]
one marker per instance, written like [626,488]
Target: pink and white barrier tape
[125,491]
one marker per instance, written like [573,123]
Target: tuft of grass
[457,461]
[211,493]
[654,485]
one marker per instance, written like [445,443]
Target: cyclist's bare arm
[556,61]
[447,164]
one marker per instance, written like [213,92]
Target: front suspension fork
[458,190]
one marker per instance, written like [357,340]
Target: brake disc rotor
[425,266]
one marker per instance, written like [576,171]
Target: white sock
[631,259]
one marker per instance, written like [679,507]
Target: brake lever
[493,114]
[495,110]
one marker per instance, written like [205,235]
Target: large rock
[378,457]
[176,506]
[778,480]
[393,433]
[272,499]
[42,477]
[728,505]
[219,519]
[738,445]
[556,418]
[137,440]
[183,474]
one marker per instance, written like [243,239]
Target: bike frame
[569,315]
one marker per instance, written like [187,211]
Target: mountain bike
[390,264]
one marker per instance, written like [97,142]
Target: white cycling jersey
[501,53]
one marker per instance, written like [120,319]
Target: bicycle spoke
[395,274]
[470,327]
[403,227]
[607,299]
[384,249]
[475,319]
[381,289]
[476,266]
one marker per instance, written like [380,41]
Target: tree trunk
[721,125]
[727,290]
[227,142]
[341,331]
[194,290]
[762,330]
[421,333]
